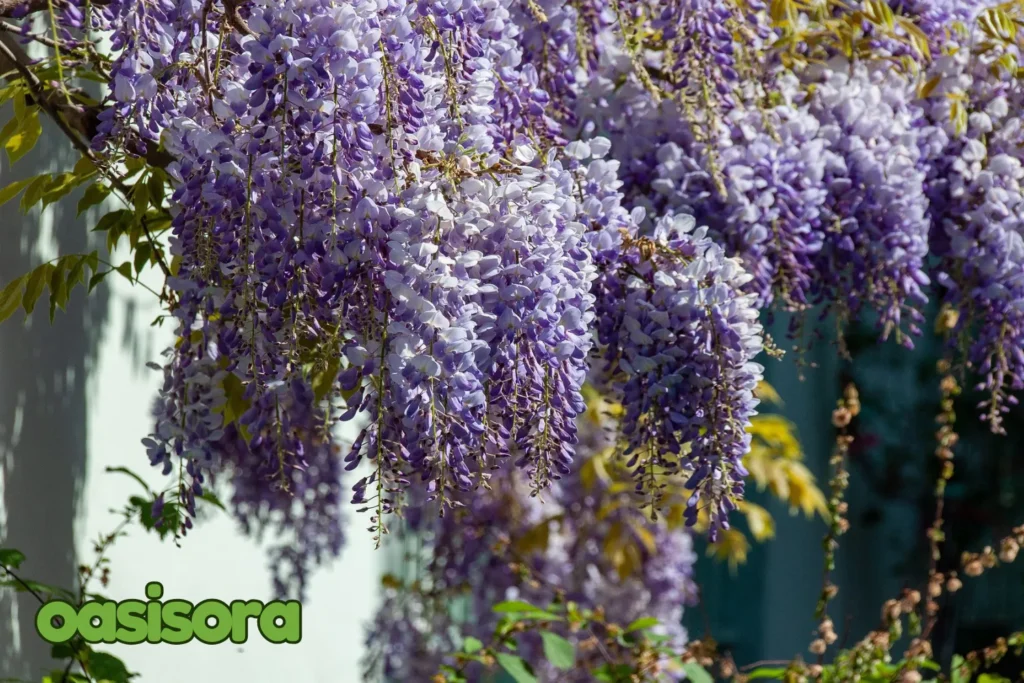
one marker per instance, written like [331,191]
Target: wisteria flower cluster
[836,178]
[585,543]
[374,214]
[440,219]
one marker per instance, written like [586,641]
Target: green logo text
[174,621]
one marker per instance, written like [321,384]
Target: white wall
[74,400]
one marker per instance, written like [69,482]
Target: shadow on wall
[43,416]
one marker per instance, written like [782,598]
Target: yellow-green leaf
[58,285]
[94,194]
[559,651]
[59,186]
[9,129]
[323,381]
[76,273]
[142,254]
[126,270]
[21,108]
[12,190]
[37,280]
[10,298]
[24,138]
[731,546]
[760,521]
[646,538]
[140,199]
[766,392]
[34,192]
[235,403]
[928,86]
[84,168]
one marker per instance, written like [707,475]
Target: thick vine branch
[15,63]
[233,16]
[19,62]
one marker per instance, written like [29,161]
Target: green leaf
[61,677]
[76,273]
[134,164]
[12,190]
[10,298]
[112,219]
[37,280]
[97,278]
[170,518]
[12,90]
[695,673]
[516,668]
[106,667]
[9,129]
[323,381]
[642,623]
[58,287]
[85,168]
[235,403]
[559,651]
[959,673]
[523,610]
[126,270]
[471,645]
[142,254]
[157,222]
[24,138]
[157,187]
[658,638]
[60,186]
[34,192]
[69,649]
[774,673]
[140,199]
[608,673]
[94,194]
[510,606]
[993,678]
[125,470]
[211,497]
[11,558]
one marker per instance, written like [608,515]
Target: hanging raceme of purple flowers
[868,188]
[442,217]
[375,214]
[586,541]
[976,189]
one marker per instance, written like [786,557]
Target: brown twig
[847,409]
[233,15]
[947,439]
[14,60]
[16,30]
